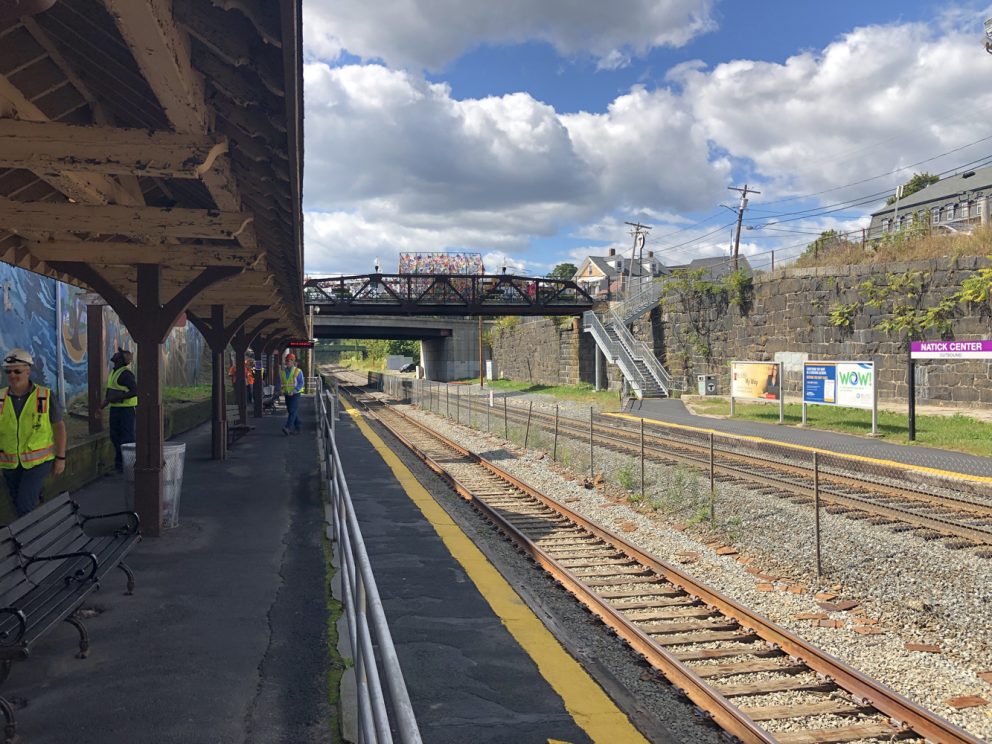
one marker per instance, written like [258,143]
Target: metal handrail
[614,351]
[378,714]
[640,351]
[636,305]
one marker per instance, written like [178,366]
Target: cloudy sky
[531,131]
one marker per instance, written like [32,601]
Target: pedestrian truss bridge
[445,294]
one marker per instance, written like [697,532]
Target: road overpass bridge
[449,346]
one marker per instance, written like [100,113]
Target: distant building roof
[945,188]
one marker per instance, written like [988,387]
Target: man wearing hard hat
[32,433]
[292,388]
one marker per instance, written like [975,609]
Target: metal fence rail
[382,712]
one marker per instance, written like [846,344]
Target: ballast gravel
[907,589]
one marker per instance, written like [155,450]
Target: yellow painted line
[590,707]
[804,448]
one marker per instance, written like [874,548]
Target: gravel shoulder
[905,590]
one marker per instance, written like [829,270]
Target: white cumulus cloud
[420,35]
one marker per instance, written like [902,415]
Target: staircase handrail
[637,304]
[640,351]
[614,351]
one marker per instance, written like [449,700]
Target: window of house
[885,225]
[950,211]
[935,215]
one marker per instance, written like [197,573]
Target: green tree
[826,239]
[918,182]
[563,271]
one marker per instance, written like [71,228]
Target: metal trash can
[172,479]
[706,384]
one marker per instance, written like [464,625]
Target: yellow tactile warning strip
[804,448]
[590,707]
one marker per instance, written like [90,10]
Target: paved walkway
[469,678]
[224,639]
[674,411]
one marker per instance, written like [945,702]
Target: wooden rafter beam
[51,147]
[90,188]
[168,254]
[35,217]
[162,53]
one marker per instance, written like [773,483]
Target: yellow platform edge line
[805,448]
[590,707]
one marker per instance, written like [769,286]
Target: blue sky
[531,132]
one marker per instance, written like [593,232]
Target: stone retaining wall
[788,320]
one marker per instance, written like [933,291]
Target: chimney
[613,251]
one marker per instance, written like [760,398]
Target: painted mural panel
[28,319]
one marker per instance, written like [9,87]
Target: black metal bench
[51,560]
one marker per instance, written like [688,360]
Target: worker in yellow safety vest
[292,390]
[122,397]
[32,433]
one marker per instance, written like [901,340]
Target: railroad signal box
[706,384]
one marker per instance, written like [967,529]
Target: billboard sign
[756,380]
[951,350]
[848,384]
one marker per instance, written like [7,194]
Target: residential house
[953,204]
[604,277]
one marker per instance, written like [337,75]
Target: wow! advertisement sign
[848,384]
[951,350]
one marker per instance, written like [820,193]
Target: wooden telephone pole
[740,216]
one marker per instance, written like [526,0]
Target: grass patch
[956,432]
[900,248]
[605,400]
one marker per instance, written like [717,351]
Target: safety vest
[289,380]
[113,384]
[29,440]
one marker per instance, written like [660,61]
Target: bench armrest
[6,639]
[94,564]
[132,525]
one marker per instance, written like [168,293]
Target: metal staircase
[640,367]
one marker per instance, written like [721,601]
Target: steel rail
[903,714]
[746,471]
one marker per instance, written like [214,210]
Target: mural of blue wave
[28,320]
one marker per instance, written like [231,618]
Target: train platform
[931,459]
[224,639]
[478,664]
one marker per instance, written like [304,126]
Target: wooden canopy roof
[157,132]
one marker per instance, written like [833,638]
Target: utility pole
[640,234]
[740,216]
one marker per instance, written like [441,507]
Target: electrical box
[706,384]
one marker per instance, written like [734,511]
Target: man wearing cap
[292,389]
[32,433]
[122,397]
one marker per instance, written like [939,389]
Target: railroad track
[932,512]
[755,680]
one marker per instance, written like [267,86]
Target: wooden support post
[218,334]
[240,343]
[506,425]
[96,365]
[482,357]
[149,321]
[530,410]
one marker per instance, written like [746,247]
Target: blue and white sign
[848,384]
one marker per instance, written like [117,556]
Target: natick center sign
[848,384]
[951,350]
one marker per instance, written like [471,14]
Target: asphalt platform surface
[674,411]
[223,640]
[468,679]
